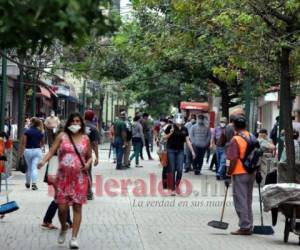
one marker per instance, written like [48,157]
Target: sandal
[49,226]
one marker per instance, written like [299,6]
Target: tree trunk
[286,109]
[224,94]
[225,102]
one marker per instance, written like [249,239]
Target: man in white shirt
[52,123]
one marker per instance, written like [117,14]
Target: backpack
[128,130]
[252,158]
[222,140]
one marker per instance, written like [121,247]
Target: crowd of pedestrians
[184,142]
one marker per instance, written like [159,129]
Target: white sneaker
[61,237]
[73,244]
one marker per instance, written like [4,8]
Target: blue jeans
[221,162]
[175,158]
[119,151]
[198,162]
[32,158]
[188,159]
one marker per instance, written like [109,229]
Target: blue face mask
[282,138]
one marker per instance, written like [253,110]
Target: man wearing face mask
[219,139]
[52,123]
[177,135]
[189,158]
[120,138]
[200,137]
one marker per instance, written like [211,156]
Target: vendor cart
[291,211]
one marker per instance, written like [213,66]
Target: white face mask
[74,128]
[162,124]
[179,121]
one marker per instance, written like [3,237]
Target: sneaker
[242,232]
[27,185]
[173,193]
[197,172]
[61,237]
[73,244]
[187,170]
[138,166]
[34,187]
[121,168]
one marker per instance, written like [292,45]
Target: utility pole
[21,102]
[83,98]
[112,108]
[33,101]
[106,107]
[3,90]
[248,93]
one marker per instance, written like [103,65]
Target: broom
[262,229]
[220,224]
[9,206]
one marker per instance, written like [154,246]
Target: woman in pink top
[72,176]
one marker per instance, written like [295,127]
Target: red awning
[52,92]
[203,106]
[45,92]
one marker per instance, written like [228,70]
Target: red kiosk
[189,108]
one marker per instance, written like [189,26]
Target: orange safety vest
[2,148]
[239,168]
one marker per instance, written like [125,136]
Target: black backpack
[252,158]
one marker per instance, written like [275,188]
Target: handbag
[51,171]
[163,157]
[22,166]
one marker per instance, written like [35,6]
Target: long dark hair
[69,121]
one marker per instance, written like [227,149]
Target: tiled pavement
[132,222]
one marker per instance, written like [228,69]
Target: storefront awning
[45,92]
[203,106]
[52,92]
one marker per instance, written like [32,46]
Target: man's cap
[239,121]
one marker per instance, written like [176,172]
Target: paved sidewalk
[115,220]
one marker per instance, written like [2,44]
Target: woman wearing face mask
[296,145]
[31,143]
[176,135]
[75,158]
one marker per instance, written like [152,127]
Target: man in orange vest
[242,181]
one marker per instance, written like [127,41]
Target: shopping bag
[163,157]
